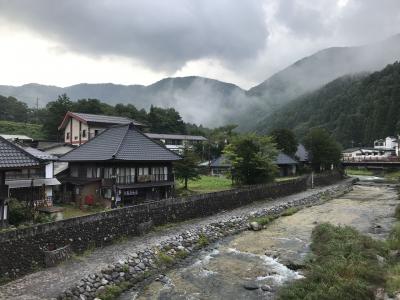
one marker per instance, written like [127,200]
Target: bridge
[372,162]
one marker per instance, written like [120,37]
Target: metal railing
[372,159]
[131,179]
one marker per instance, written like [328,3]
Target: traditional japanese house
[78,128]
[120,164]
[12,159]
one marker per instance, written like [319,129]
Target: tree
[252,158]
[56,111]
[323,150]
[165,121]
[285,140]
[187,168]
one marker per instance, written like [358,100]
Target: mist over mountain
[355,109]
[213,103]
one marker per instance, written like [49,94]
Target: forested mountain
[215,103]
[355,109]
[199,100]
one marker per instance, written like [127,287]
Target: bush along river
[254,264]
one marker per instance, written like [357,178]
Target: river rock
[266,288]
[255,226]
[251,286]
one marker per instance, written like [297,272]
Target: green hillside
[32,130]
[354,109]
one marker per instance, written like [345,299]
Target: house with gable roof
[121,164]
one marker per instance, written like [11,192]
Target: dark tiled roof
[105,119]
[122,142]
[283,159]
[176,137]
[12,156]
[301,153]
[92,118]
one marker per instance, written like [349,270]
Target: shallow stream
[254,264]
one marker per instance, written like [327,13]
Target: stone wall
[22,250]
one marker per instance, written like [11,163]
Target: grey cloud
[162,34]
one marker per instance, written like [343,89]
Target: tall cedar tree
[187,168]
[252,159]
[285,140]
[323,150]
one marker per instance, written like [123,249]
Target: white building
[78,128]
[177,142]
[362,154]
[389,143]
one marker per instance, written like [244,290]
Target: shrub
[290,211]
[18,212]
[111,292]
[164,259]
[264,220]
[203,240]
[344,266]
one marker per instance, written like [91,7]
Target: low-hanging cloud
[163,35]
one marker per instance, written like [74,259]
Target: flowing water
[253,265]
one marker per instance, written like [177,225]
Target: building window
[84,133]
[75,137]
[67,135]
[74,171]
[96,132]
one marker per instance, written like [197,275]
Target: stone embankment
[155,260]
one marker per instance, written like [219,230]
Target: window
[75,137]
[96,132]
[74,171]
[89,172]
[67,135]
[108,172]
[84,133]
[143,171]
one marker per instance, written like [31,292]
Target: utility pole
[37,109]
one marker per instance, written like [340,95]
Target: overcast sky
[142,41]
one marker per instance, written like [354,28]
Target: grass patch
[393,176]
[181,254]
[359,171]
[205,184]
[164,259]
[344,265]
[265,220]
[32,130]
[70,210]
[290,211]
[111,292]
[203,241]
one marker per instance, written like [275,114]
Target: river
[254,264]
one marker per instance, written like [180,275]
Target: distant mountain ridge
[213,103]
[355,109]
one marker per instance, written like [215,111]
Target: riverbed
[254,264]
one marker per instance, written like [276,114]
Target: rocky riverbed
[254,264]
[156,260]
[134,259]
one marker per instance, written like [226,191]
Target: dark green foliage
[55,112]
[354,109]
[165,120]
[344,266]
[13,110]
[19,213]
[32,130]
[187,168]
[323,150]
[252,159]
[285,140]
